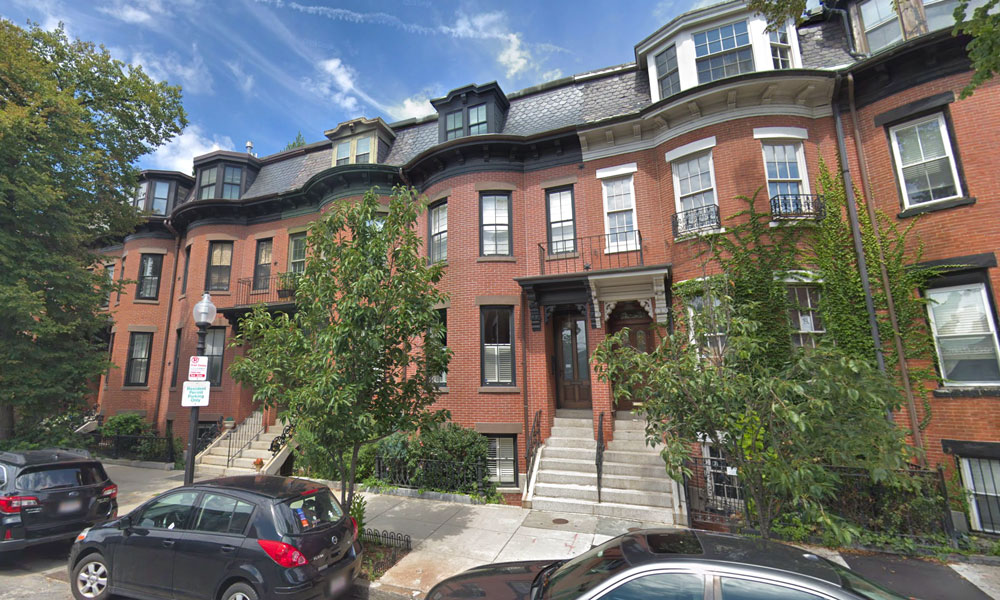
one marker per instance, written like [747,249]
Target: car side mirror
[125,523]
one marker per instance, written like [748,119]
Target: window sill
[499,389]
[562,256]
[509,488]
[700,233]
[499,259]
[218,292]
[621,250]
[182,296]
[442,389]
[972,391]
[935,206]
[145,301]
[135,388]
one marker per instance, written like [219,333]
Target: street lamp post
[204,314]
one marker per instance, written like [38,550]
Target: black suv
[50,495]
[234,538]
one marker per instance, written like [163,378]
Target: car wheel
[240,591]
[91,578]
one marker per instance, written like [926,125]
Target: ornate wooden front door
[640,334]
[572,361]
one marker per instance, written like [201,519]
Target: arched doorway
[632,315]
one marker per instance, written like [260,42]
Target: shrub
[125,424]
[449,458]
[358,507]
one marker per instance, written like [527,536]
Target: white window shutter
[506,456]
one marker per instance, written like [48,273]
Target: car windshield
[581,574]
[861,586]
[311,511]
[61,476]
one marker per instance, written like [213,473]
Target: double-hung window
[441,379]
[215,343]
[137,368]
[177,357]
[881,23]
[437,220]
[785,166]
[231,183]
[494,235]
[498,345]
[262,265]
[723,52]
[206,189]
[803,313]
[362,152]
[965,334]
[297,253]
[619,207]
[187,263]
[925,162]
[981,477]
[501,461]
[161,192]
[148,287]
[220,260]
[781,49]
[453,125]
[667,74]
[477,120]
[109,271]
[709,323]
[140,197]
[694,191]
[562,227]
[343,153]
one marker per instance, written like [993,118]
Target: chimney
[249,147]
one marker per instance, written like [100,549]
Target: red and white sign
[198,368]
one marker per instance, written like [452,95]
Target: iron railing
[704,218]
[713,492]
[797,206]
[276,289]
[533,443]
[439,475]
[394,545]
[599,457]
[208,435]
[132,447]
[983,490]
[241,437]
[279,442]
[592,253]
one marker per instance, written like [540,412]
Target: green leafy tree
[354,363]
[72,123]
[982,24]
[298,142]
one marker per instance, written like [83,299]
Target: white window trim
[786,133]
[618,171]
[989,319]
[687,149]
[948,149]
[800,157]
[977,523]
[632,244]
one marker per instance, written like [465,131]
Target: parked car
[50,495]
[234,538]
[668,564]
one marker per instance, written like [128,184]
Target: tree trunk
[354,469]
[6,421]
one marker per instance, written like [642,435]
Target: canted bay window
[148,287]
[494,234]
[498,345]
[965,334]
[220,260]
[137,368]
[437,222]
[723,52]
[666,72]
[501,460]
[881,23]
[925,161]
[562,227]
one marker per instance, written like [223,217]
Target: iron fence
[533,443]
[275,289]
[241,437]
[797,206]
[283,438]
[208,435]
[439,475]
[391,548]
[132,447]
[591,253]
[703,218]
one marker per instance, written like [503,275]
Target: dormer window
[453,127]
[362,154]
[881,23]
[781,50]
[477,120]
[724,52]
[343,153]
[140,197]
[161,192]
[666,72]
[231,183]
[206,188]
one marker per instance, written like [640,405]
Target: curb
[142,464]
[374,590]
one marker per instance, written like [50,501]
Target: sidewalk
[448,538]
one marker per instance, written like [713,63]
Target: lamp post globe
[204,311]
[204,315]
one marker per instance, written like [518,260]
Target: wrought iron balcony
[797,206]
[591,253]
[704,218]
[276,289]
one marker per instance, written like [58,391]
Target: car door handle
[168,543]
[228,548]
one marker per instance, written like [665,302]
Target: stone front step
[629,434]
[561,422]
[606,509]
[619,482]
[573,453]
[582,433]
[211,472]
[618,468]
[255,453]
[589,492]
[214,459]
[617,445]
[633,458]
[570,442]
[629,425]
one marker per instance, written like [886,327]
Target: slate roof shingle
[289,174]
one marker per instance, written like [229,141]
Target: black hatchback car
[50,495]
[234,538]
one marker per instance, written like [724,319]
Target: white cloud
[178,154]
[51,13]
[192,74]
[140,12]
[243,79]
[413,107]
[335,83]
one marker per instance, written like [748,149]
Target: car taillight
[354,524]
[284,554]
[110,491]
[13,504]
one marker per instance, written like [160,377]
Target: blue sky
[264,70]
